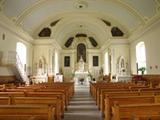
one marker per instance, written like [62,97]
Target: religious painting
[95,60]
[81,52]
[67,61]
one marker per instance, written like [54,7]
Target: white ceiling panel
[13,8]
[147,8]
[127,15]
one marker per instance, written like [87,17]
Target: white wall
[68,71]
[8,43]
[152,44]
[44,48]
[6,71]
[118,48]
[94,70]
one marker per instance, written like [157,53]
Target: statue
[81,65]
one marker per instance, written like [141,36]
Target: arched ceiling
[34,15]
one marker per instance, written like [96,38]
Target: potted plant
[142,69]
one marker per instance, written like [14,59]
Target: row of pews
[126,101]
[45,101]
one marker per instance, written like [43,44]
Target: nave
[82,106]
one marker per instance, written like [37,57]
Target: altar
[81,75]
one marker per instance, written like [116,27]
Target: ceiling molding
[1,4]
[131,9]
[92,27]
[143,29]
[38,4]
[47,42]
[131,13]
[95,15]
[7,24]
[28,10]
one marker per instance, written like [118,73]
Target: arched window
[81,52]
[140,56]
[21,51]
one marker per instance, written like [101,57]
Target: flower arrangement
[142,69]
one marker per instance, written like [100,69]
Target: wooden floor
[82,106]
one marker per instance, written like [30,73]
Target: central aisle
[82,106]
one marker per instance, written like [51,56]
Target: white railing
[21,70]
[12,58]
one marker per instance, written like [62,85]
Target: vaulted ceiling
[95,18]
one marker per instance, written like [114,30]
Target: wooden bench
[135,111]
[35,100]
[18,94]
[27,112]
[60,91]
[140,90]
[31,92]
[37,94]
[126,100]
[48,94]
[126,93]
[150,79]
[7,79]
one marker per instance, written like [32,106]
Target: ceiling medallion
[80,4]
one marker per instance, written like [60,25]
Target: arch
[140,56]
[122,66]
[81,51]
[22,52]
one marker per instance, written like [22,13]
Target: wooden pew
[117,94]
[126,100]
[62,91]
[7,79]
[67,86]
[35,100]
[135,111]
[29,92]
[18,94]
[56,103]
[127,94]
[27,112]
[48,94]
[104,91]
[151,79]
[36,94]
[96,87]
[118,87]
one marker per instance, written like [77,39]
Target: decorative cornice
[105,45]
[131,9]
[47,42]
[7,24]
[143,29]
[28,10]
[114,41]
[43,42]
[1,4]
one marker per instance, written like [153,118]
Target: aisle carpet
[82,106]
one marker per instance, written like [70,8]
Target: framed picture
[67,61]
[95,60]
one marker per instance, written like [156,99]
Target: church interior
[79,60]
